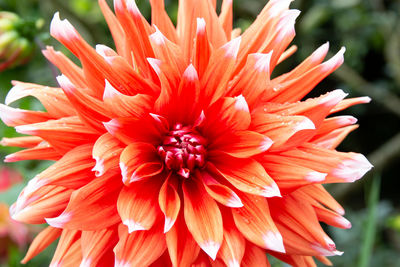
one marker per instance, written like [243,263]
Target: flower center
[183,149]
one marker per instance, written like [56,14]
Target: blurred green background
[369,29]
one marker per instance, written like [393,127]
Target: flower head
[179,148]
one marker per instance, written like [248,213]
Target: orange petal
[226,17]
[254,221]
[259,37]
[170,203]
[125,106]
[139,161]
[53,99]
[221,193]
[37,202]
[161,19]
[137,30]
[138,204]
[227,114]
[340,166]
[121,75]
[257,73]
[290,176]
[90,109]
[167,51]
[319,194]
[281,130]
[296,89]
[241,144]
[62,134]
[68,252]
[148,129]
[333,139]
[254,257]
[140,248]
[15,116]
[95,244]
[23,141]
[248,175]
[188,12]
[116,29]
[182,248]
[202,48]
[106,152]
[233,246]
[203,217]
[71,171]
[41,242]
[299,223]
[219,70]
[42,151]
[66,66]
[90,204]
[344,104]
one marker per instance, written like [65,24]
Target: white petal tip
[59,221]
[211,248]
[274,241]
[169,222]
[271,191]
[86,262]
[315,177]
[353,169]
[343,222]
[232,48]
[233,263]
[266,144]
[241,103]
[134,226]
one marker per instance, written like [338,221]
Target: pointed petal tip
[211,248]
[235,202]
[353,169]
[25,129]
[272,191]
[316,177]
[263,61]
[157,37]
[169,222]
[305,124]
[343,222]
[241,103]
[109,90]
[266,144]
[60,221]
[233,263]
[232,47]
[274,241]
[333,97]
[134,226]
[191,73]
[201,26]
[86,262]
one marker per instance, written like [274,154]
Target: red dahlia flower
[179,148]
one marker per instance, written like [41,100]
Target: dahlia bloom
[178,148]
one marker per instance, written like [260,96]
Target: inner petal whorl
[183,149]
